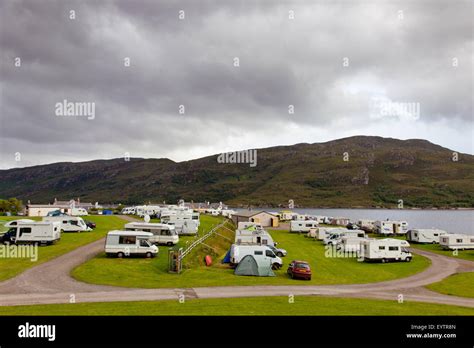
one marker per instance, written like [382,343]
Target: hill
[377,173]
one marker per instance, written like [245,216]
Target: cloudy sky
[386,68]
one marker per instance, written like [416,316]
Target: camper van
[302,226]
[335,236]
[174,216]
[33,232]
[128,243]
[238,252]
[253,237]
[69,223]
[384,250]
[391,227]
[162,233]
[456,241]
[425,235]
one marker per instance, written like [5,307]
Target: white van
[162,233]
[77,212]
[302,225]
[128,243]
[425,235]
[69,223]
[33,232]
[388,249]
[238,252]
[456,241]
[255,237]
[324,232]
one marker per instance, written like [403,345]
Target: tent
[250,266]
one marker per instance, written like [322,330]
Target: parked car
[90,224]
[299,269]
[278,251]
[352,226]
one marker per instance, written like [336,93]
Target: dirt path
[51,282]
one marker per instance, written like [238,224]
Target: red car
[299,269]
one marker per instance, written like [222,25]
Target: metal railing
[202,239]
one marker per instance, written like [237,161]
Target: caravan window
[381,248]
[435,234]
[264,242]
[144,243]
[458,240]
[258,252]
[309,225]
[269,253]
[127,239]
[165,233]
[393,248]
[472,240]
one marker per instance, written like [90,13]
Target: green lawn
[435,248]
[303,305]
[460,284]
[69,241]
[153,273]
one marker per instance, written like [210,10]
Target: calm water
[453,221]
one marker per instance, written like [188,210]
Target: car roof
[299,261]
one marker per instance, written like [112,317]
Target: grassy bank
[153,273]
[303,305]
[460,284]
[10,267]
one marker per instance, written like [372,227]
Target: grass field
[153,273]
[10,267]
[460,284]
[435,248]
[303,305]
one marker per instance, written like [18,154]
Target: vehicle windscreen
[302,265]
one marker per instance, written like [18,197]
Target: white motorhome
[335,236]
[454,241]
[425,235]
[129,243]
[162,233]
[253,237]
[366,225]
[69,223]
[388,249]
[33,232]
[238,252]
[391,227]
[174,216]
[302,225]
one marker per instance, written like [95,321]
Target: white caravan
[425,235]
[456,241]
[162,233]
[335,236]
[388,249]
[174,216]
[69,223]
[34,232]
[366,225]
[253,237]
[129,243]
[391,227]
[77,212]
[238,252]
[185,227]
[302,226]
[324,232]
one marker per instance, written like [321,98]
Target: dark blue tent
[226,258]
[107,212]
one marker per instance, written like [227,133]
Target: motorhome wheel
[384,260]
[408,259]
[148,255]
[119,255]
